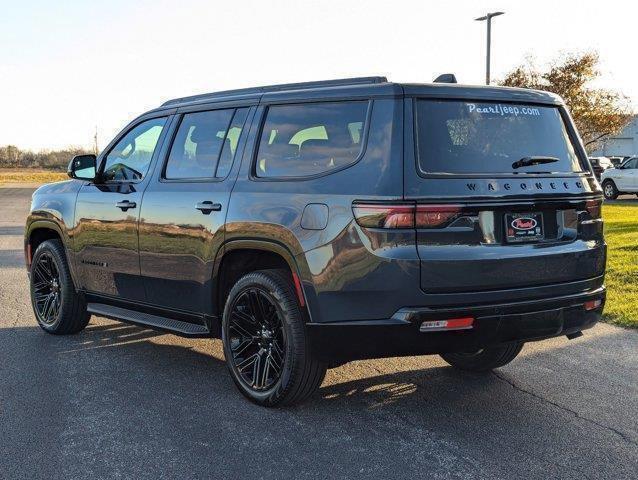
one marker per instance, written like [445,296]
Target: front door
[107,214]
[631,171]
[184,209]
[625,176]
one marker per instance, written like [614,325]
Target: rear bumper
[493,324]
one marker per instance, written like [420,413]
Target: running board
[178,327]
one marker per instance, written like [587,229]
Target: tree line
[13,157]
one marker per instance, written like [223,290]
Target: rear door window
[458,137]
[205,144]
[310,139]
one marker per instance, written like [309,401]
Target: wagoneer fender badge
[523,223]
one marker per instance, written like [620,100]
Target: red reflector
[384,216]
[299,289]
[462,323]
[433,216]
[29,254]
[592,304]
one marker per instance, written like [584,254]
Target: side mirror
[82,167]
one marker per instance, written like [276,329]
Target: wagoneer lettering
[307,225]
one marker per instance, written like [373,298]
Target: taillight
[436,216]
[404,216]
[384,216]
[593,207]
[593,304]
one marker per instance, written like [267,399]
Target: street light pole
[488,17]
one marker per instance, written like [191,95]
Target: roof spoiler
[446,78]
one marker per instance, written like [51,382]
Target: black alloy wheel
[257,339]
[47,296]
[57,306]
[265,340]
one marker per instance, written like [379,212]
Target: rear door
[107,213]
[503,198]
[184,208]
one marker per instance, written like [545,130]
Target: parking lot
[126,402]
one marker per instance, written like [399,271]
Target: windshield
[486,137]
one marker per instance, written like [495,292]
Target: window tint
[198,144]
[230,145]
[633,163]
[131,156]
[486,137]
[308,139]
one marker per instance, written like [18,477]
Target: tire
[609,190]
[486,359]
[273,337]
[57,306]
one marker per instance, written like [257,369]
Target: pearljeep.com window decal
[503,110]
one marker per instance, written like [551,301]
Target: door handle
[208,206]
[125,205]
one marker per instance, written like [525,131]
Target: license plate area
[524,227]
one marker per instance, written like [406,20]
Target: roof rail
[277,88]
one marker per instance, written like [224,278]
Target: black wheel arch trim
[49,224]
[272,246]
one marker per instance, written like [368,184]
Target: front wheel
[485,359]
[609,190]
[57,306]
[265,344]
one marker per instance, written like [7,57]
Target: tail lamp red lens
[593,304]
[435,216]
[593,207]
[384,216]
[394,216]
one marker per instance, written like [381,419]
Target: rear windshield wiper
[530,161]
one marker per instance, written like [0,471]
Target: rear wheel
[265,342]
[57,306]
[485,359]
[609,190]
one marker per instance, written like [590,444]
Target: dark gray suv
[312,224]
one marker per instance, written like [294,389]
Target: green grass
[621,233]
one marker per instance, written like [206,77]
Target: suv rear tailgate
[479,172]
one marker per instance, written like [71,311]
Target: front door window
[130,158]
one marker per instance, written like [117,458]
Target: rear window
[485,137]
[310,139]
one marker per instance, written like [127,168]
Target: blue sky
[66,67]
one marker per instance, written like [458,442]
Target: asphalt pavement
[118,401]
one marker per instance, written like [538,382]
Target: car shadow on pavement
[136,386]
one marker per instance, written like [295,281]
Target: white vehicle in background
[623,179]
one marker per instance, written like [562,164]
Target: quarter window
[310,139]
[130,158]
